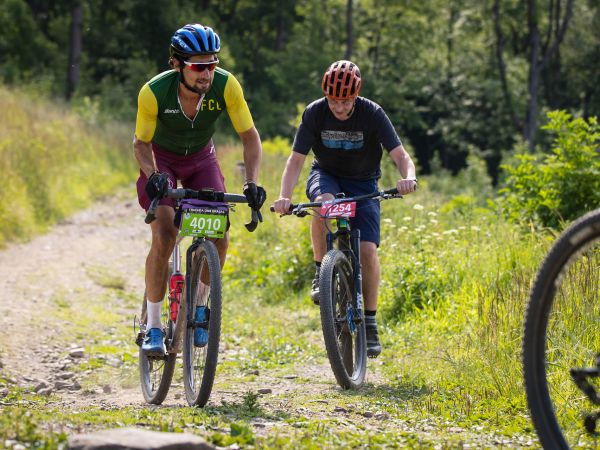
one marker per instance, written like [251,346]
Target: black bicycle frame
[349,244]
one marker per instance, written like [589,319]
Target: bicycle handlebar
[299,207]
[209,195]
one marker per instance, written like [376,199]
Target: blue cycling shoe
[201,331]
[154,343]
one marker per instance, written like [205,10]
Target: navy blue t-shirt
[349,148]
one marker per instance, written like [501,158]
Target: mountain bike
[340,286]
[193,312]
[561,343]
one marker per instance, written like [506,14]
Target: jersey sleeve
[305,135]
[385,130]
[236,105]
[147,114]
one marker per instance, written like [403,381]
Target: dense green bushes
[557,187]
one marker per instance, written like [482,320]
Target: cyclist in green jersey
[176,116]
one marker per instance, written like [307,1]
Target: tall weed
[53,163]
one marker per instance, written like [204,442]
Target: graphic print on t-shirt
[342,140]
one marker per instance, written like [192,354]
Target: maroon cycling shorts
[196,171]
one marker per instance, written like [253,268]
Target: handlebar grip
[290,209]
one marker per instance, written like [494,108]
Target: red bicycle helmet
[341,81]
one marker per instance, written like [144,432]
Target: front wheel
[156,373]
[561,339]
[200,361]
[342,321]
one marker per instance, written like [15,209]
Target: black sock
[370,312]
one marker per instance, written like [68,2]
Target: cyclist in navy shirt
[347,135]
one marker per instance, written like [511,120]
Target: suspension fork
[357,293]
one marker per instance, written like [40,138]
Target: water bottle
[200,334]
[176,283]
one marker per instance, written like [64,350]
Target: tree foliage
[554,188]
[452,75]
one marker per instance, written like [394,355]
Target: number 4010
[202,223]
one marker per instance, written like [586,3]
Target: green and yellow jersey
[160,118]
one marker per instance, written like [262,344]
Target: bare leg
[318,231]
[164,235]
[222,245]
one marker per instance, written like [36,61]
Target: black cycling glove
[255,195]
[157,185]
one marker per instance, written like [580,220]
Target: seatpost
[176,258]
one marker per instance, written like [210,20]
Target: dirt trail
[40,276]
[110,234]
[34,276]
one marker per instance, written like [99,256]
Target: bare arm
[252,153]
[145,156]
[291,173]
[407,170]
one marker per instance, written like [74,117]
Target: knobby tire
[155,373]
[346,351]
[200,363]
[561,332]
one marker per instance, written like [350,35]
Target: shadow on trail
[398,392]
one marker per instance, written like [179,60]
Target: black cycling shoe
[314,292]
[373,344]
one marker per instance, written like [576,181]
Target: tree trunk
[502,65]
[349,31]
[452,16]
[534,74]
[279,39]
[538,61]
[74,50]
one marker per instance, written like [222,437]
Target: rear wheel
[156,373]
[200,363]
[343,326]
[561,337]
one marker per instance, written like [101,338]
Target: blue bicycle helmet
[194,39]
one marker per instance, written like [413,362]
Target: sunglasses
[202,66]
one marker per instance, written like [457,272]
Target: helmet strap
[352,110]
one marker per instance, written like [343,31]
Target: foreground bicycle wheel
[343,331]
[156,373]
[561,334]
[200,363]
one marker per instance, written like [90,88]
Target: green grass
[454,283]
[54,163]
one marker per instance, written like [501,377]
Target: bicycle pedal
[139,340]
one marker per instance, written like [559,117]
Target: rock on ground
[132,438]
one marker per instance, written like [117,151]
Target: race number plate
[331,209]
[204,222]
